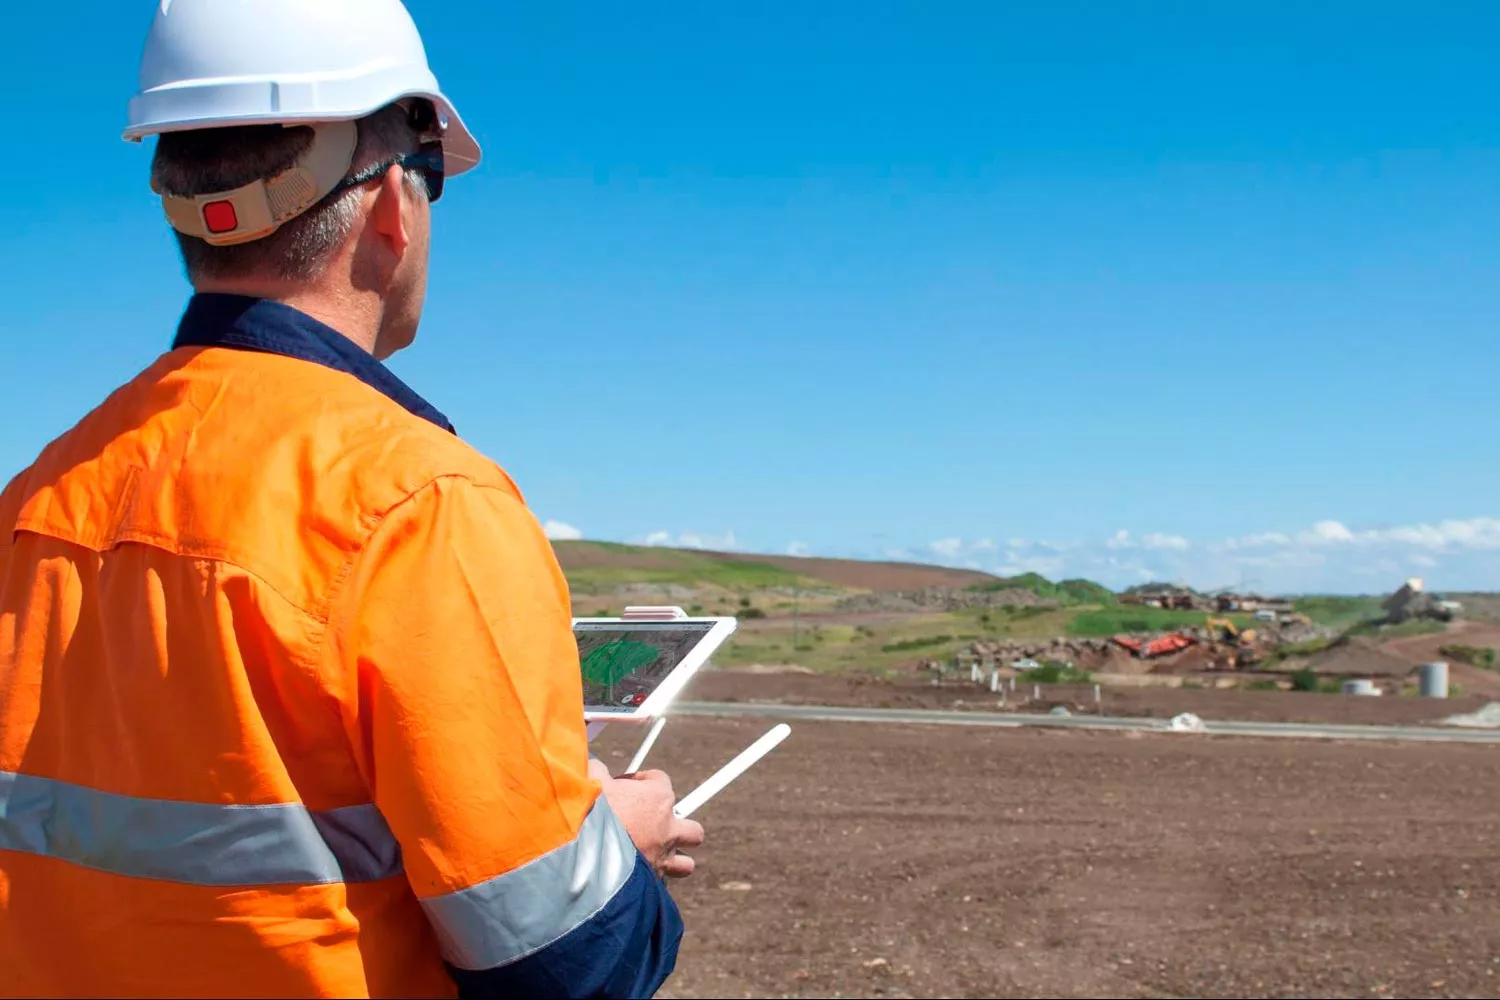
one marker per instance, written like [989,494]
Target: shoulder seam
[341,578]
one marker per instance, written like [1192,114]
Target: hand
[643,803]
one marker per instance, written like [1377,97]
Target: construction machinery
[1243,640]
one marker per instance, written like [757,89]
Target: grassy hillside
[794,610]
[1339,612]
[1068,592]
[593,566]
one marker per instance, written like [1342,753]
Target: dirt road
[1425,648]
[866,691]
[907,861]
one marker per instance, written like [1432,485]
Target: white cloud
[692,540]
[1327,556]
[1016,564]
[559,531]
[798,549]
[1122,539]
[1475,533]
[1326,533]
[948,548]
[1257,541]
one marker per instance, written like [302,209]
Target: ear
[391,214]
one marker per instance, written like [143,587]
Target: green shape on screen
[617,660]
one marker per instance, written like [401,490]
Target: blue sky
[983,283]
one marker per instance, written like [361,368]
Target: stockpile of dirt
[1191,660]
[1358,658]
[1081,653]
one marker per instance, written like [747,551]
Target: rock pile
[1002,652]
[940,599]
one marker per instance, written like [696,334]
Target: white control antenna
[691,802]
[646,745]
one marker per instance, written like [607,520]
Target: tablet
[633,669]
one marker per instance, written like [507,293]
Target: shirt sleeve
[455,631]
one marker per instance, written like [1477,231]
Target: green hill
[1066,593]
[594,565]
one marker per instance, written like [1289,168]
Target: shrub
[1304,680]
[921,642]
[1053,672]
[1474,656]
[752,613]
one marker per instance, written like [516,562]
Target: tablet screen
[624,663]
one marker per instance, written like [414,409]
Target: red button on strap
[220,217]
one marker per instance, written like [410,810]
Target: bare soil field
[1420,648]
[862,860]
[866,691]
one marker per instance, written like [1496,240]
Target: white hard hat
[211,63]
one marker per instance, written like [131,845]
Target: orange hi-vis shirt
[290,703]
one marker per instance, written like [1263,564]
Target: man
[289,699]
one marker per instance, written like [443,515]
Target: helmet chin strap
[258,209]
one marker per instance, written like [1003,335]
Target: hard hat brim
[461,151]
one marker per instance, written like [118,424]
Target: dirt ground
[860,860]
[864,691]
[1424,648]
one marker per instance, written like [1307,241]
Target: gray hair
[205,161]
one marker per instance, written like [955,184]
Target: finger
[677,866]
[687,833]
[598,770]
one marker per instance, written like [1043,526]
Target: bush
[1058,673]
[1475,656]
[1265,684]
[751,613]
[921,642]
[1304,680]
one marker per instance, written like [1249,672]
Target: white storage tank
[1432,680]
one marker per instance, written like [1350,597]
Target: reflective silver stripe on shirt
[513,915]
[194,842]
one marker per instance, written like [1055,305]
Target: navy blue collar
[250,324]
